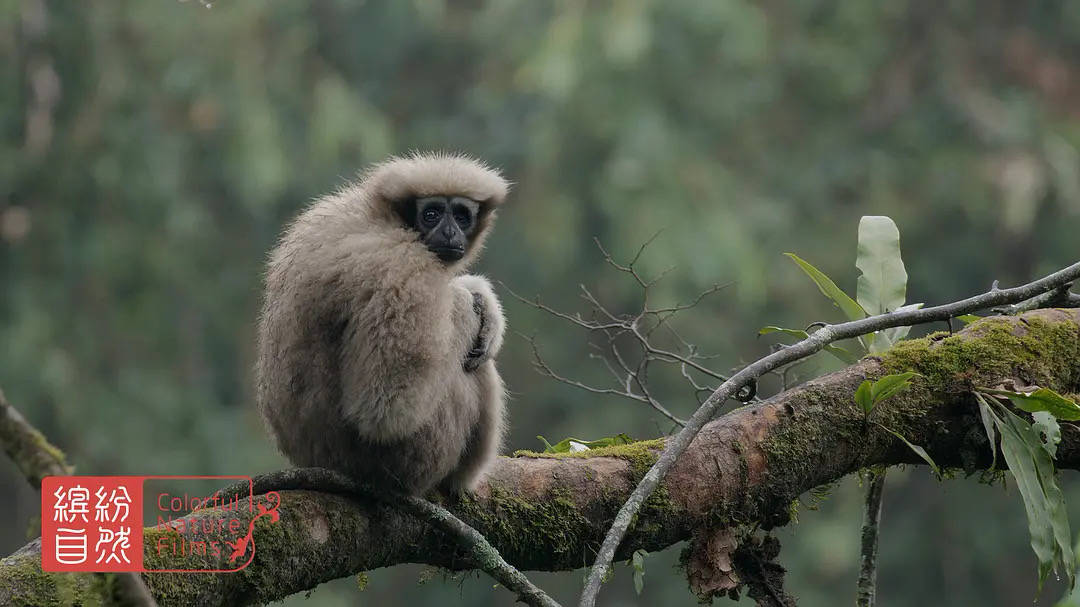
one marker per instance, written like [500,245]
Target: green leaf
[799,333]
[1033,469]
[879,343]
[917,449]
[988,425]
[1047,426]
[869,394]
[863,398]
[847,305]
[890,385]
[1042,399]
[882,286]
[895,334]
[867,341]
[844,356]
[569,445]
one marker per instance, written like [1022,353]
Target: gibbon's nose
[448,231]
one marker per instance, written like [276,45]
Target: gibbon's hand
[489,335]
[478,353]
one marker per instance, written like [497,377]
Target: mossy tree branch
[547,512]
[28,448]
[820,339]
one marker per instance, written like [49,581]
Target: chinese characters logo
[91,523]
[95,523]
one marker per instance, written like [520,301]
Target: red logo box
[95,523]
[91,523]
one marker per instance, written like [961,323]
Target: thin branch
[672,310]
[575,319]
[36,458]
[599,307]
[28,447]
[698,388]
[482,554]
[672,357]
[614,327]
[629,268]
[814,343]
[1058,298]
[641,327]
[641,381]
[661,354]
[604,360]
[541,365]
[867,592]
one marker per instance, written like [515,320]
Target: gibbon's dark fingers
[479,349]
[491,322]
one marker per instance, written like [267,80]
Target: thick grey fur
[375,358]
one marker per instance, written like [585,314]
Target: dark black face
[446,224]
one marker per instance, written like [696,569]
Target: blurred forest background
[152,151]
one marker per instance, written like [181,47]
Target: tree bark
[546,512]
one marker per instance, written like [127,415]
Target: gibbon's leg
[485,436]
[401,356]
[486,306]
[485,440]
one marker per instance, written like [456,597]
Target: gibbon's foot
[479,352]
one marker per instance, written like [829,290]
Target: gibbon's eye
[463,217]
[431,215]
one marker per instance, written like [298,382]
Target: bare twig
[36,458]
[867,589]
[629,268]
[627,392]
[632,326]
[631,374]
[814,343]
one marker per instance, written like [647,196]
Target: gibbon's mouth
[450,253]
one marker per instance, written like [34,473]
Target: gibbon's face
[446,224]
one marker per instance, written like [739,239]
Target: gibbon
[375,349]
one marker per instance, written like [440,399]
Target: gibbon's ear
[486,209]
[487,205]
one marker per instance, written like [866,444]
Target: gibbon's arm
[466,319]
[403,352]
[489,336]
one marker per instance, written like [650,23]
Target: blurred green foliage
[151,152]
